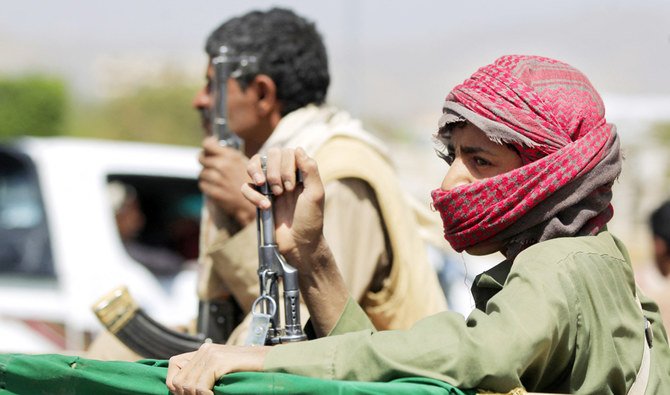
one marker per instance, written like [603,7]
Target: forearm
[435,348]
[323,287]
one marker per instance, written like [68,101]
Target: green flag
[54,374]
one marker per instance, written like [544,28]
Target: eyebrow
[471,150]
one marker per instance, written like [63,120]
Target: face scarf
[555,119]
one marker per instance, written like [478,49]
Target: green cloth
[561,318]
[60,375]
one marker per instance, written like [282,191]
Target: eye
[479,161]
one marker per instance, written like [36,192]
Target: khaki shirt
[354,232]
[562,318]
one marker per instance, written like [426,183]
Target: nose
[457,175]
[201,100]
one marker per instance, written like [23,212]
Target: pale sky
[393,61]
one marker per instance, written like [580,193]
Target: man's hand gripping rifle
[265,325]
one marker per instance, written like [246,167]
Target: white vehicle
[60,249]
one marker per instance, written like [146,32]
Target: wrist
[260,354]
[316,257]
[318,274]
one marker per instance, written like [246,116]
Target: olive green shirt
[562,318]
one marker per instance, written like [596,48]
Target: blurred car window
[158,219]
[60,246]
[24,239]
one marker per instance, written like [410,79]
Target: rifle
[228,65]
[265,324]
[117,310]
[215,317]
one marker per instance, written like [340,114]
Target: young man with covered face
[279,104]
[531,164]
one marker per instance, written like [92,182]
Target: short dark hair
[660,222]
[289,50]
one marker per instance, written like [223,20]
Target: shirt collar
[489,283]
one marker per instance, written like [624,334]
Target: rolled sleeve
[353,319]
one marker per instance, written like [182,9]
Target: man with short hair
[279,102]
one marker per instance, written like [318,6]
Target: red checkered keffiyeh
[555,118]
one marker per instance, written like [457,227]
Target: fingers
[288,169]
[197,372]
[191,374]
[216,156]
[256,198]
[210,150]
[175,365]
[280,173]
[210,145]
[255,170]
[273,171]
[310,173]
[280,169]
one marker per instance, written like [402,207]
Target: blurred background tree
[41,105]
[32,104]
[158,113]
[661,131]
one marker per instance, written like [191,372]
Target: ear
[660,246]
[266,93]
[662,256]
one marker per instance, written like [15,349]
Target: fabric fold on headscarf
[552,115]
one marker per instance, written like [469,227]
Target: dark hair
[289,50]
[660,222]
